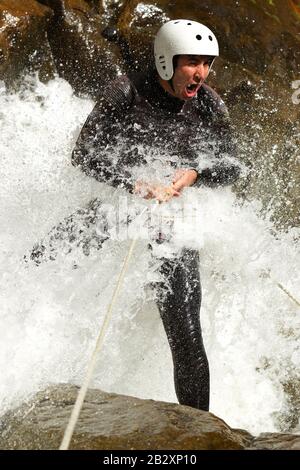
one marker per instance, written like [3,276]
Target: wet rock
[82,56]
[110,421]
[110,9]
[138,24]
[274,441]
[24,46]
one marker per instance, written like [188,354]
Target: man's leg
[179,301]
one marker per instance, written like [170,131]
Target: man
[174,117]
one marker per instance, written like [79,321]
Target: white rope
[82,392]
[284,289]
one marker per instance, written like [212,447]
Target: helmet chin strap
[211,64]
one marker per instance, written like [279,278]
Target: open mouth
[192,87]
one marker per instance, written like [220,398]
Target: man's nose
[200,73]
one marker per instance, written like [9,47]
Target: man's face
[191,71]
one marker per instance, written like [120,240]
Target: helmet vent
[176,22]
[210,38]
[189,24]
[198,37]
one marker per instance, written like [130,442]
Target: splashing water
[51,314]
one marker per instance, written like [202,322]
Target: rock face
[110,9]
[24,45]
[110,421]
[258,40]
[82,56]
[259,43]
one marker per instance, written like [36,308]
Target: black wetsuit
[141,113]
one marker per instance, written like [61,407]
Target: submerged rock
[111,421]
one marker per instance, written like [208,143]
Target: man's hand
[184,178]
[160,193]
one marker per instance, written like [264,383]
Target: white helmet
[178,37]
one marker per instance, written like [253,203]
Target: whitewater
[51,314]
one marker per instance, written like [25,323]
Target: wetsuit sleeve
[95,150]
[225,168]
